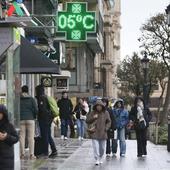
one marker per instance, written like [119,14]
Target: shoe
[65,138]
[101,161]
[97,162]
[53,154]
[122,155]
[139,156]
[62,137]
[82,138]
[114,155]
[32,157]
[79,138]
[107,155]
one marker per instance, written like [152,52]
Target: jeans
[98,148]
[111,146]
[64,127]
[122,140]
[29,126]
[141,142]
[80,127]
[47,139]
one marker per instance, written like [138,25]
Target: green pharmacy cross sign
[76,21]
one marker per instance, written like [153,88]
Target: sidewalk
[74,155]
[158,159]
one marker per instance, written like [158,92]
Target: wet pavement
[76,155]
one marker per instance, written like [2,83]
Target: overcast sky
[134,13]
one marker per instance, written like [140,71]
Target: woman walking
[140,116]
[121,115]
[98,124]
[8,137]
[111,144]
[81,110]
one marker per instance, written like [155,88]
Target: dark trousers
[111,146]
[141,142]
[64,127]
[47,139]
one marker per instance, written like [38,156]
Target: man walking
[65,110]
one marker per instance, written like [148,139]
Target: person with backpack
[45,119]
[65,112]
[28,114]
[8,137]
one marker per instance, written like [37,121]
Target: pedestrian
[98,124]
[65,112]
[45,119]
[28,114]
[8,137]
[122,119]
[81,111]
[140,116]
[111,144]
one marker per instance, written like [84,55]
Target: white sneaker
[101,161]
[108,155]
[62,137]
[65,138]
[79,138]
[97,162]
[82,138]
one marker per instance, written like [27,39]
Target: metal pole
[145,87]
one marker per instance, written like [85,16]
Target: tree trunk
[166,108]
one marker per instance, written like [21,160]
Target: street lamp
[168,14]
[145,66]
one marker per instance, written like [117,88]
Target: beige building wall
[106,64]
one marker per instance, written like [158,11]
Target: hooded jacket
[102,123]
[65,108]
[6,146]
[28,107]
[121,115]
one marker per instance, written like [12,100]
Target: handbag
[91,128]
[141,125]
[37,129]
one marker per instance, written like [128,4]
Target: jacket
[79,110]
[102,123]
[112,128]
[44,111]
[65,108]
[6,146]
[122,117]
[133,116]
[28,108]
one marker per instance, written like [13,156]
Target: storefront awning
[33,61]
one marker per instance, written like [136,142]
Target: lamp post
[145,67]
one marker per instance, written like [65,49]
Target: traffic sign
[76,21]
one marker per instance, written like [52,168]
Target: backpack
[53,106]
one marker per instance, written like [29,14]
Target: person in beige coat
[98,122]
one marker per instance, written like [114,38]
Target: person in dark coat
[140,116]
[65,110]
[8,137]
[45,119]
[110,147]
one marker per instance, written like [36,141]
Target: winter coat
[122,117]
[79,110]
[44,112]
[28,108]
[7,146]
[133,116]
[65,108]
[102,123]
[112,128]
